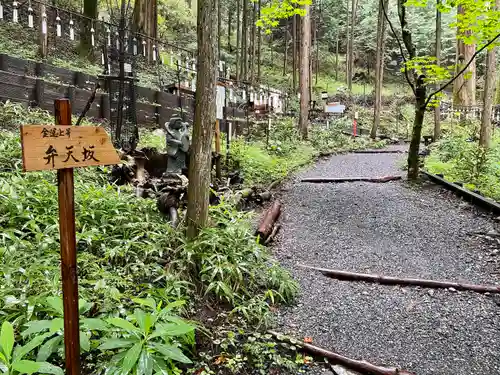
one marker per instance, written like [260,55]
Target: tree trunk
[420,95]
[229,26]
[90,11]
[489,89]
[317,54]
[285,55]
[219,29]
[337,55]
[497,99]
[259,44]
[351,45]
[294,53]
[464,90]
[413,159]
[299,41]
[347,73]
[244,39]
[379,67]
[437,109]
[305,52]
[253,45]
[204,118]
[238,39]
[311,41]
[146,21]
[43,41]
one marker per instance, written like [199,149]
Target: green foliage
[228,265]
[239,352]
[332,140]
[123,243]
[12,359]
[460,159]
[155,139]
[147,341]
[280,9]
[10,158]
[176,20]
[286,153]
[426,65]
[261,167]
[12,115]
[51,331]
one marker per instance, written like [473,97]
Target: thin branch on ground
[390,280]
[362,367]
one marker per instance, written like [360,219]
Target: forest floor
[394,229]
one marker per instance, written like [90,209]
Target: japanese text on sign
[61,146]
[88,154]
[52,132]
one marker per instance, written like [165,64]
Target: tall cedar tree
[294,53]
[337,41]
[229,24]
[238,39]
[146,21]
[489,91]
[437,109]
[305,53]
[350,59]
[347,33]
[253,44]
[90,13]
[259,44]
[244,40]
[204,117]
[464,87]
[285,55]
[379,67]
[43,40]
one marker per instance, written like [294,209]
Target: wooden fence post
[39,91]
[218,171]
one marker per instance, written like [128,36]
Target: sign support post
[69,275]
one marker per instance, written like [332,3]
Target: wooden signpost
[64,147]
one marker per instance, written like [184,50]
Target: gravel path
[396,230]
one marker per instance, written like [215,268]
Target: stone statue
[177,144]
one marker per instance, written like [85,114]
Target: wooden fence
[37,85]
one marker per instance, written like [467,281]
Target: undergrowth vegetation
[144,289]
[264,159]
[459,158]
[263,162]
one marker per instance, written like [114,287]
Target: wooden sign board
[47,147]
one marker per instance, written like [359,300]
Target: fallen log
[269,219]
[362,367]
[389,280]
[325,180]
[381,151]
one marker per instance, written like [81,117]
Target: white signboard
[221,96]
[334,108]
